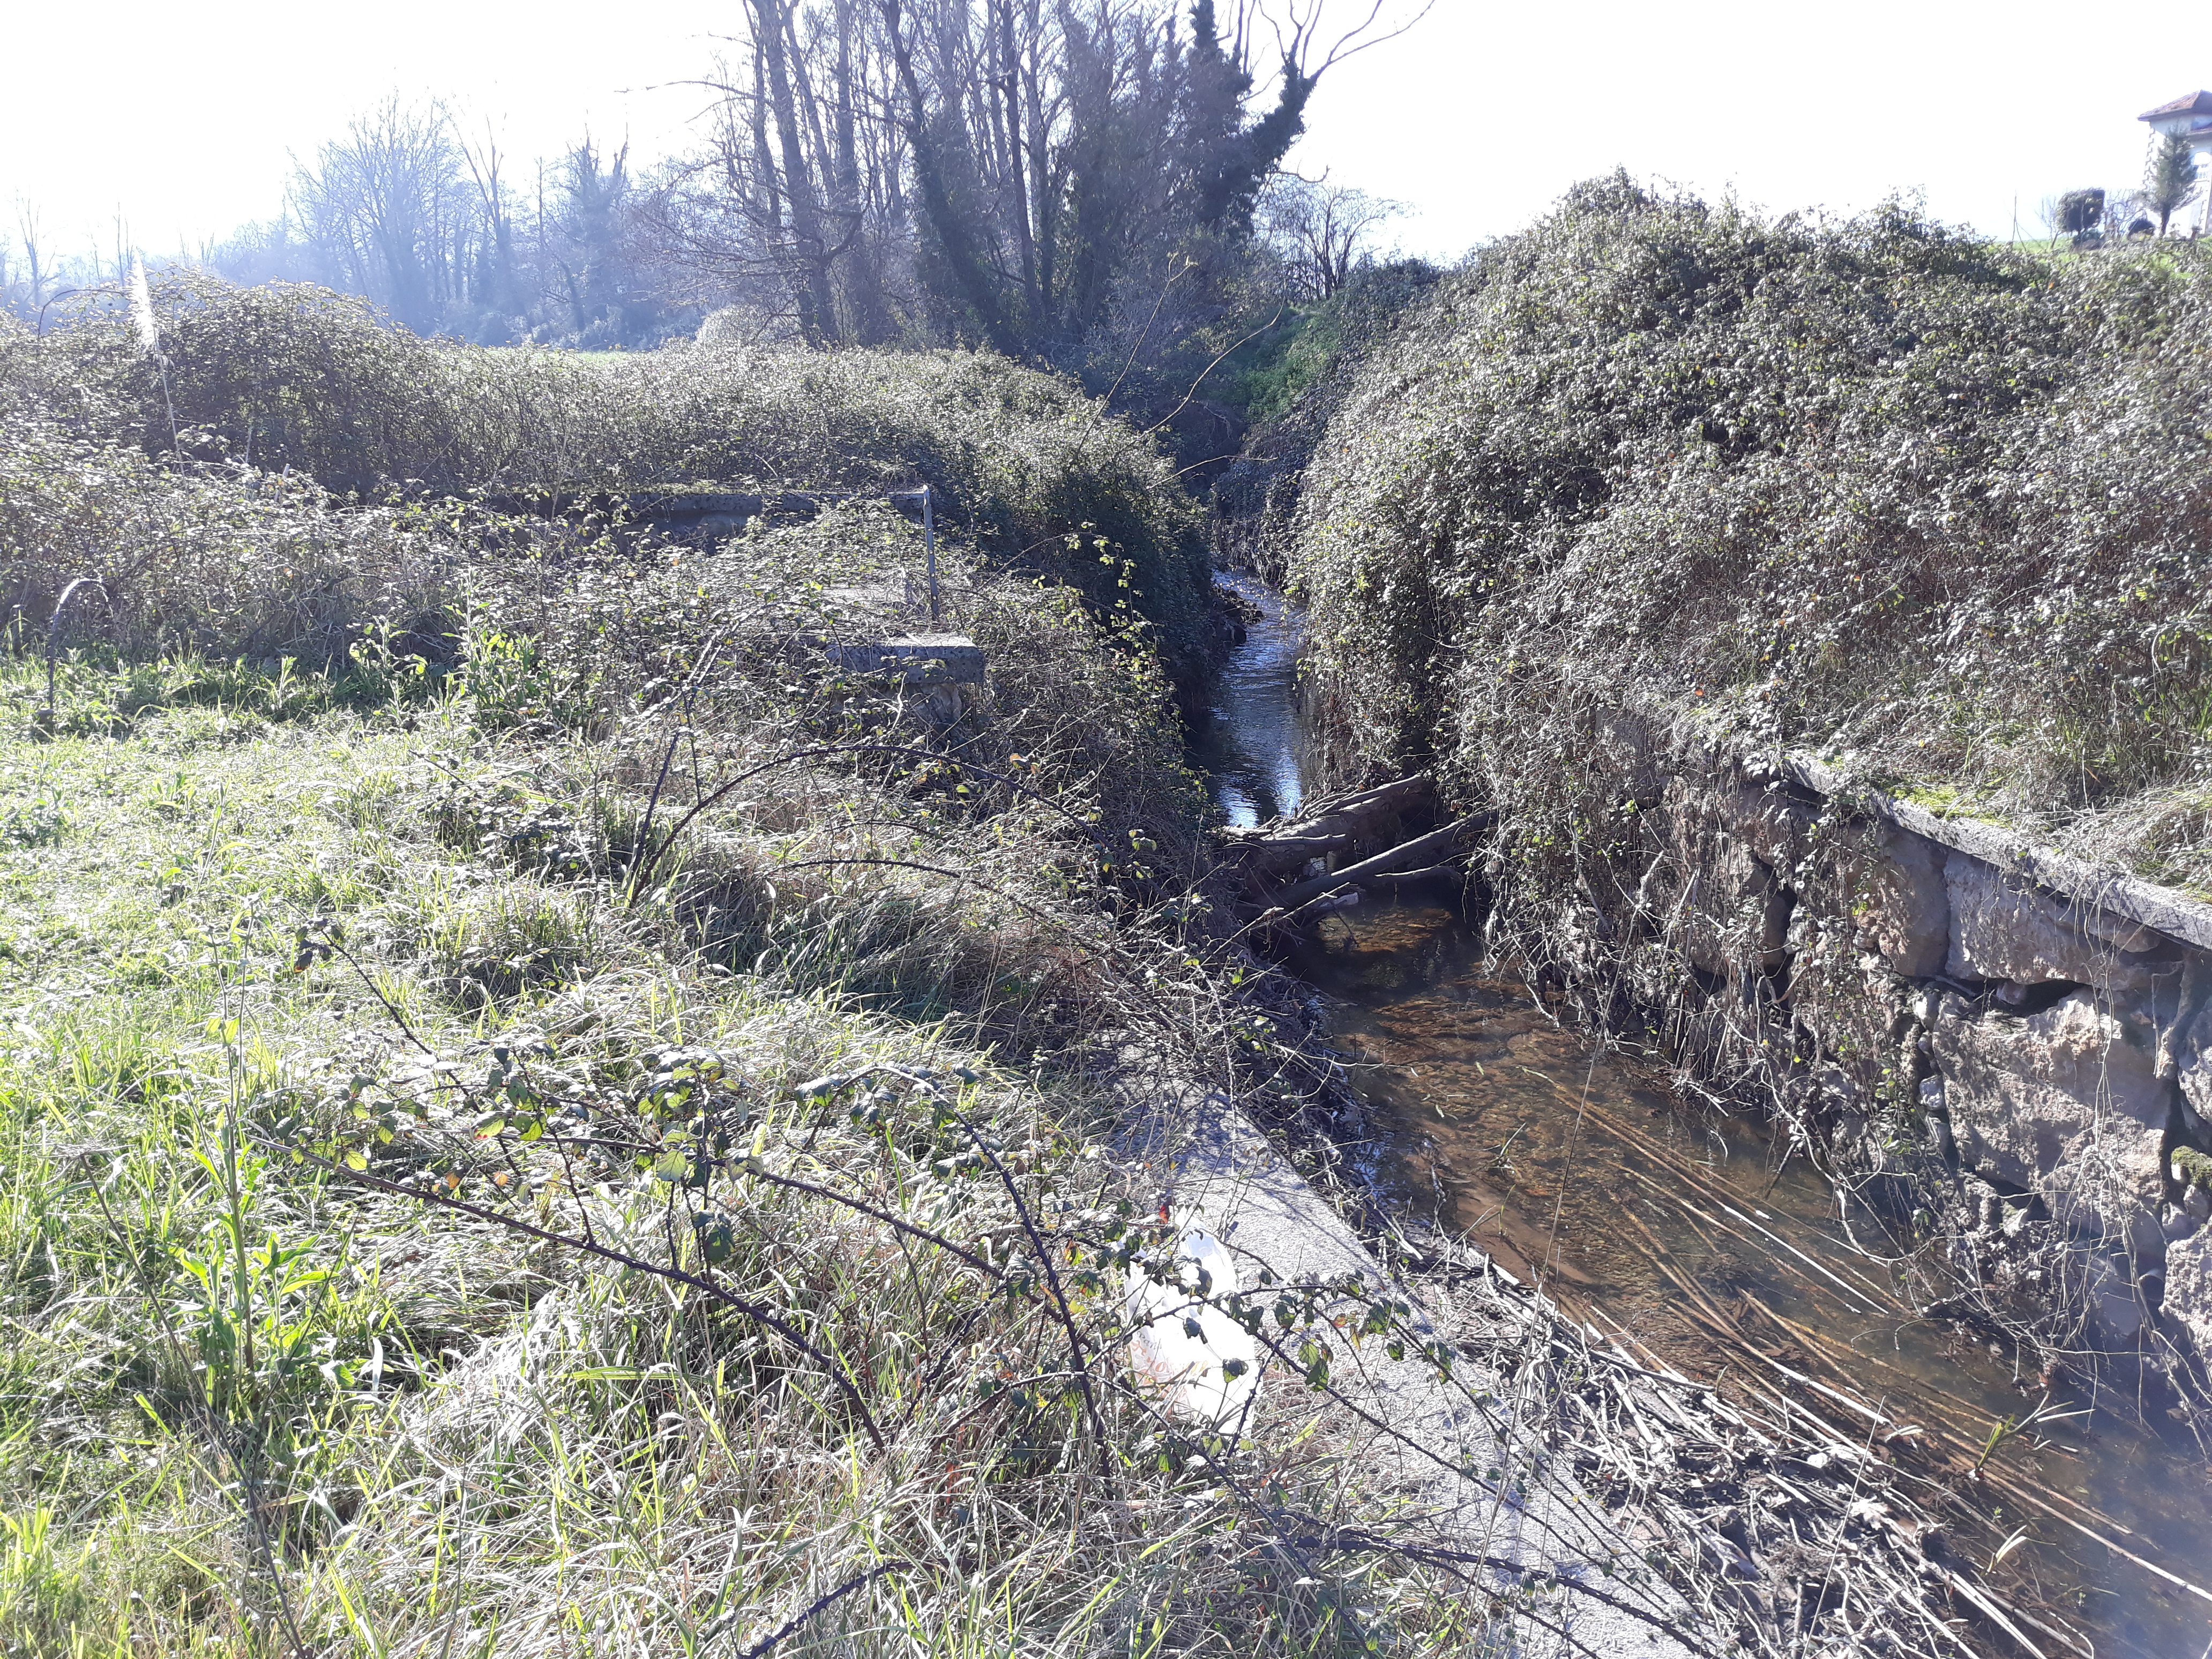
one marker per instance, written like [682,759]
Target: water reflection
[1247,739]
[1689,1235]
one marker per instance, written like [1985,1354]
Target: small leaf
[670,1165]
[717,1240]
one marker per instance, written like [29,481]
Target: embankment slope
[1649,499]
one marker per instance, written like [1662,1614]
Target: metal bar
[929,534]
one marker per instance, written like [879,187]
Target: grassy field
[539,1115]
[453,1400]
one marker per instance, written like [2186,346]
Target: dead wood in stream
[1777,1524]
[1949,1457]
[1381,841]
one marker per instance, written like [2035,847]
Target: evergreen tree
[2170,183]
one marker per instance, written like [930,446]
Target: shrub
[188,559]
[287,376]
[1293,387]
[1873,484]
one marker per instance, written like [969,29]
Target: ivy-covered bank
[1642,502]
[1874,485]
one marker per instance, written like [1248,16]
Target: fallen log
[1281,856]
[1395,796]
[1353,825]
[1305,846]
[1420,850]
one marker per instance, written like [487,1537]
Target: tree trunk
[974,281]
[863,282]
[817,312]
[1024,243]
[1043,195]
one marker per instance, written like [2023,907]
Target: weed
[437,1235]
[35,823]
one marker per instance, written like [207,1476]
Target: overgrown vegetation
[1873,486]
[418,1233]
[258,387]
[1292,380]
[541,1114]
[257,1402]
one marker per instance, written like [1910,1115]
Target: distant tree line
[1094,184]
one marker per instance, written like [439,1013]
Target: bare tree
[1008,171]
[1067,180]
[381,208]
[2123,210]
[498,280]
[1323,230]
[37,262]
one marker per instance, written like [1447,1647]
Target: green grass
[248,1406]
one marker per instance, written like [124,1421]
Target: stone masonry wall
[1997,1034]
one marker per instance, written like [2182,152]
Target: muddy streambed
[1692,1236]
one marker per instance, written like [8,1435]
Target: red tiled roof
[2196,103]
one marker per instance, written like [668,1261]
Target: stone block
[2066,1103]
[2114,1304]
[920,659]
[1854,1015]
[1776,827]
[1903,903]
[2002,928]
[2186,1308]
[2193,1070]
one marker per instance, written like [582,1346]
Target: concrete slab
[1474,1479]
[919,659]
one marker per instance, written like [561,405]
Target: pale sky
[184,118]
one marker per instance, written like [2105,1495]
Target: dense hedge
[298,379]
[1874,484]
[203,561]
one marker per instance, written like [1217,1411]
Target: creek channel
[1695,1236]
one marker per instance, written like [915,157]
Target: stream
[1692,1236]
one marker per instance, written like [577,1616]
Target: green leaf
[671,1165]
[717,1239]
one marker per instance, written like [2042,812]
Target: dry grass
[255,1399]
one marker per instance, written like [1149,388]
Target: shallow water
[1246,739]
[1691,1235]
